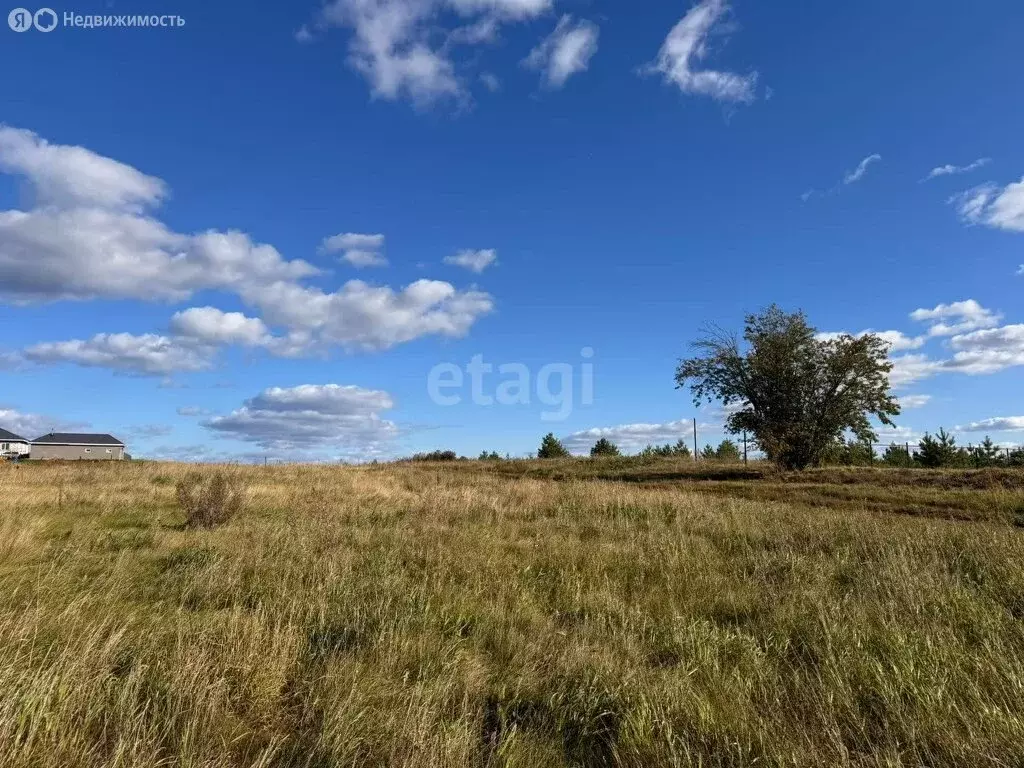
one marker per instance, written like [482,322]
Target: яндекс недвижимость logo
[47,20]
[22,20]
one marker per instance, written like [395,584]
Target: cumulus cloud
[634,437]
[474,261]
[68,177]
[996,424]
[909,369]
[368,317]
[89,238]
[954,170]
[32,425]
[358,250]
[566,51]
[311,416]
[146,355]
[993,206]
[210,325]
[687,44]
[957,317]
[988,351]
[407,48]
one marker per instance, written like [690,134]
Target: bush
[941,451]
[679,450]
[436,456]
[898,456]
[492,456]
[551,448]
[604,447]
[208,501]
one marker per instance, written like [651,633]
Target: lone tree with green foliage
[551,448]
[605,447]
[798,393]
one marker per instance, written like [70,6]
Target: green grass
[506,614]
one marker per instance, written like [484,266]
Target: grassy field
[513,614]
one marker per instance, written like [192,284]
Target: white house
[12,445]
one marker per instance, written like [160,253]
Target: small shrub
[436,456]
[208,501]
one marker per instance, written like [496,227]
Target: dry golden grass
[491,616]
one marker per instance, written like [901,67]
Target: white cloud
[88,236]
[966,316]
[405,48]
[474,261]
[634,437]
[358,250]
[997,424]
[993,206]
[687,44]
[566,51]
[363,316]
[92,242]
[988,351]
[953,170]
[908,369]
[33,425]
[148,355]
[851,177]
[862,168]
[311,417]
[897,434]
[67,176]
[212,326]
[908,402]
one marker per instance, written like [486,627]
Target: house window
[5,447]
[109,451]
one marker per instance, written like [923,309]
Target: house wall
[78,452]
[13,447]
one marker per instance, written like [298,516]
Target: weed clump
[208,501]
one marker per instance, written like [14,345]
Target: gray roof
[10,437]
[76,438]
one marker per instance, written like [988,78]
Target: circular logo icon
[20,20]
[45,20]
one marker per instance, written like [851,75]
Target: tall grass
[421,616]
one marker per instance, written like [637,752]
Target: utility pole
[744,447]
[695,441]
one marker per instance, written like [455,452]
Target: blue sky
[258,233]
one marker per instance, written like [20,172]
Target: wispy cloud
[954,170]
[564,52]
[687,44]
[862,168]
[850,177]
